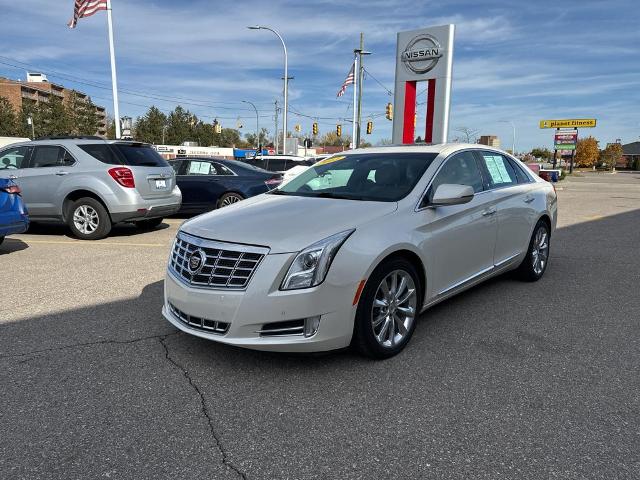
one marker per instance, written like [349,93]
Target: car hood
[285,223]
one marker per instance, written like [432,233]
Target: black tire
[229,198]
[364,338]
[149,224]
[103,226]
[528,270]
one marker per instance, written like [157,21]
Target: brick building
[489,140]
[38,89]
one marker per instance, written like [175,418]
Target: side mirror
[451,194]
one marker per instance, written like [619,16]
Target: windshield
[381,177]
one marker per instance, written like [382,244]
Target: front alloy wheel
[394,308]
[388,309]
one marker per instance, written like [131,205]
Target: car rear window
[140,155]
[133,155]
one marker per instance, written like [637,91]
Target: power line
[389,92]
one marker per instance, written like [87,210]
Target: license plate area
[160,184]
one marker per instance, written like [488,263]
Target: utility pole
[275,136]
[358,114]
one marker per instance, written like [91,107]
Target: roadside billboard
[564,140]
[569,123]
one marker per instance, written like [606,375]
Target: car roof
[444,148]
[78,140]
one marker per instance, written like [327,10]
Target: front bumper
[246,311]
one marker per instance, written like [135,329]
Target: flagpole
[114,80]
[355,100]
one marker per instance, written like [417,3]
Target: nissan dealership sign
[424,60]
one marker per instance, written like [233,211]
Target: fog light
[311,325]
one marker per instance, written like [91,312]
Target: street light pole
[164,129]
[286,83]
[257,126]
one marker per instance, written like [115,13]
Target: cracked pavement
[507,380]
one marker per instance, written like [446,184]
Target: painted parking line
[80,242]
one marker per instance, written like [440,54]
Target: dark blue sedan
[208,183]
[13,213]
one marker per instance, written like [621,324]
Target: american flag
[86,8]
[347,81]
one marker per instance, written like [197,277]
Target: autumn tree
[467,135]
[612,155]
[587,152]
[263,137]
[331,139]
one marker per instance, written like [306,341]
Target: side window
[46,156]
[520,175]
[500,170]
[277,164]
[175,164]
[461,169]
[219,169]
[101,152]
[67,160]
[197,167]
[14,158]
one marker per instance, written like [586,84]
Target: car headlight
[311,265]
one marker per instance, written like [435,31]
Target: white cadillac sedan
[352,250]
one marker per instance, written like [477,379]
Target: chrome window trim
[418,208]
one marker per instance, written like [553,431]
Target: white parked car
[351,251]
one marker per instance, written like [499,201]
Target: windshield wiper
[275,191]
[336,195]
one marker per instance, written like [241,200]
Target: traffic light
[369,127]
[389,111]
[315,128]
[339,130]
[298,127]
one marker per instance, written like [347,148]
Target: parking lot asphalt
[507,380]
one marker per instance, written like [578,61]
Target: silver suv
[91,183]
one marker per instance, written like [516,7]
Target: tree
[543,153]
[81,112]
[8,119]
[263,137]
[332,139]
[384,141]
[149,128]
[612,155]
[469,135]
[587,152]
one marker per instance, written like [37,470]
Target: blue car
[208,183]
[13,213]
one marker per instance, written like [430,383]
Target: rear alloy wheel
[149,224]
[88,219]
[535,263]
[388,309]
[229,199]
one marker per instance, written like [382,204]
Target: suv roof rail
[71,137]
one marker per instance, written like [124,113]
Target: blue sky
[519,60]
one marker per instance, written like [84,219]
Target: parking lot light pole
[257,125]
[513,138]
[286,83]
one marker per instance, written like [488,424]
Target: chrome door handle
[62,172]
[529,200]
[491,211]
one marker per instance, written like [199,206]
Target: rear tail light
[123,176]
[273,182]
[15,189]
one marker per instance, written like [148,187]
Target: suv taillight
[12,189]
[123,176]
